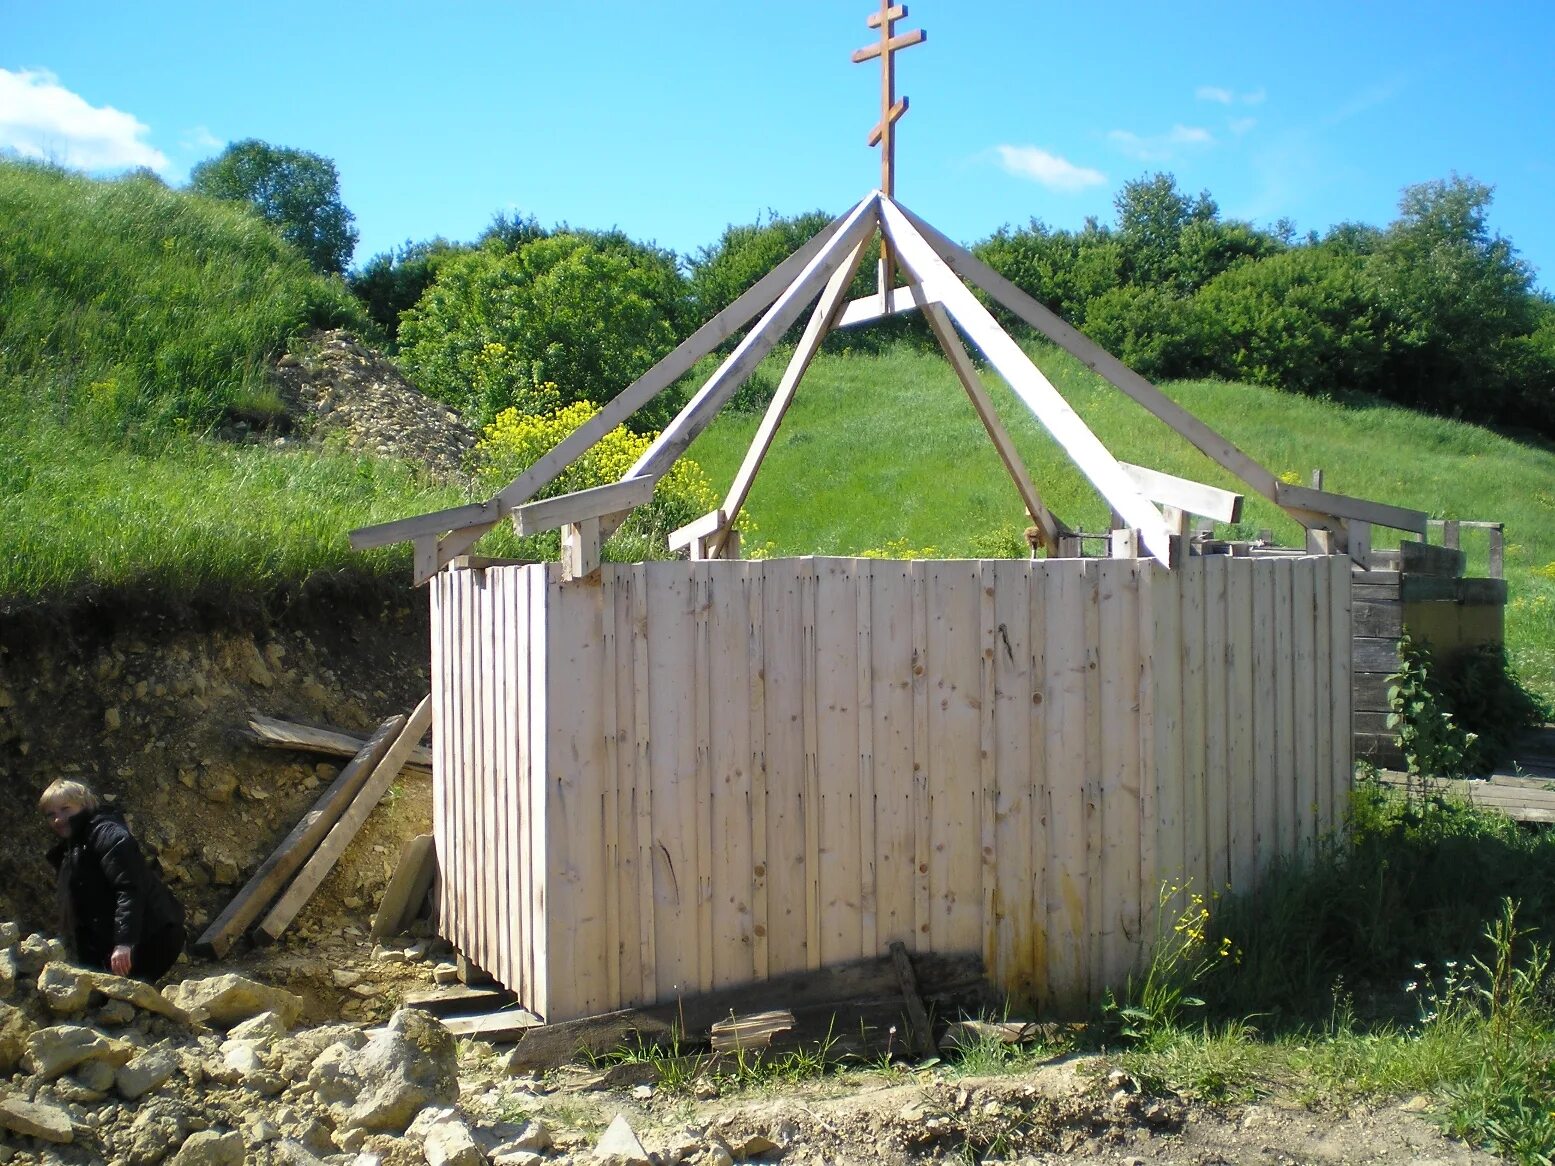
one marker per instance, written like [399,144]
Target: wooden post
[1358,543]
[1124,544]
[1450,533]
[580,549]
[1497,550]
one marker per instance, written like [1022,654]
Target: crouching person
[117,911]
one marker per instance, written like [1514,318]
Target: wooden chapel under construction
[654,779]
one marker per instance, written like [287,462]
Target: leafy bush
[1063,269]
[1307,320]
[1152,331]
[576,311]
[1432,743]
[515,441]
[1491,704]
[392,282]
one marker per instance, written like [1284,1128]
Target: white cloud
[1049,170]
[1241,125]
[40,118]
[1214,93]
[1161,147]
[200,139]
[1256,97]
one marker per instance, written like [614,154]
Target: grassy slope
[886,451]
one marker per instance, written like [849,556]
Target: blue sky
[672,120]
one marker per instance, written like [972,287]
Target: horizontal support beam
[710,523]
[900,41]
[891,118]
[1187,495]
[867,309]
[387,533]
[1359,509]
[895,12]
[551,513]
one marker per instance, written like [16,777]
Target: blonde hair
[64,790]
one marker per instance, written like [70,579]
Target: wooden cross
[890,109]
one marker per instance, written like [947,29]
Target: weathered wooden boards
[686,776]
[274,733]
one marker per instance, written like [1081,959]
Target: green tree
[296,191]
[1458,292]
[496,326]
[393,281]
[1152,214]
[1066,270]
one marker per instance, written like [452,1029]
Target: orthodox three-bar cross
[891,109]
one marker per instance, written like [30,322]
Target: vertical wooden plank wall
[687,775]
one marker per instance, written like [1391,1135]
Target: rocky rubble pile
[96,1068]
[335,390]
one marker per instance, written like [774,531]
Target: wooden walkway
[1523,789]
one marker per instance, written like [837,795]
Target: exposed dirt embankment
[147,704]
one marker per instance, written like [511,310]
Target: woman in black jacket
[118,912]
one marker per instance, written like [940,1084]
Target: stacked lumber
[287,879]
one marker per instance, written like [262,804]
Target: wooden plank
[613,498]
[1096,358]
[753,585]
[698,528]
[1068,948]
[1240,743]
[921,1034]
[1117,870]
[841,869]
[1094,733]
[867,309]
[1376,654]
[274,733]
[385,534]
[820,323]
[643,786]
[900,41]
[441,652]
[1082,446]
[754,1030]
[538,581]
[1266,666]
[458,999]
[953,681]
[729,731]
[295,849]
[349,823]
[1217,724]
[619,989]
[1285,726]
[402,899]
[787,885]
[497,1027]
[1009,920]
[702,735]
[1341,747]
[1166,667]
[950,344]
[893,660]
[1195,722]
[922,807]
[1187,495]
[862,571]
[988,758]
[1370,691]
[500,632]
[1344,506]
[811,795]
[1039,588]
[785,310]
[1306,676]
[1150,700]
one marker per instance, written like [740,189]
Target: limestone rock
[116,1014]
[264,1029]
[34,1120]
[10,934]
[137,993]
[450,1143]
[98,1076]
[14,1031]
[149,1071]
[533,1137]
[619,1146]
[31,954]
[209,1148]
[64,988]
[8,971]
[502,1156]
[402,1068]
[227,999]
[54,1051]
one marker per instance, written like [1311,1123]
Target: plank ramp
[1522,800]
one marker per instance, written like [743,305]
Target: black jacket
[111,894]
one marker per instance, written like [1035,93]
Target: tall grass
[134,309]
[885,449]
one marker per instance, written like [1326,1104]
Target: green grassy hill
[884,452]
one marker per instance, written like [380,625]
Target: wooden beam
[895,12]
[702,408]
[1187,495]
[891,119]
[612,498]
[1359,509]
[698,528]
[407,890]
[704,340]
[868,309]
[1072,434]
[403,529]
[821,320]
[580,549]
[345,829]
[273,733]
[900,41]
[296,847]
[1098,359]
[945,332]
